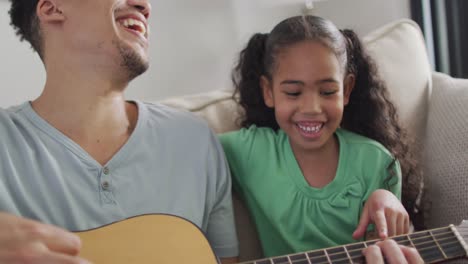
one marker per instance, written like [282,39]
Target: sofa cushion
[400,53]
[216,107]
[446,155]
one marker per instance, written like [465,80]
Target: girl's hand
[387,213]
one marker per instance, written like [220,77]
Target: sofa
[432,106]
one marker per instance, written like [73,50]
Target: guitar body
[157,238]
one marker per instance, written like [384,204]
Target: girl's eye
[327,93]
[293,94]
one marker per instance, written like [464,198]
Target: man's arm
[221,230]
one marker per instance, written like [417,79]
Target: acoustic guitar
[167,239]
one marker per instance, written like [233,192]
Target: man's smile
[134,25]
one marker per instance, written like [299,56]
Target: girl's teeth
[310,128]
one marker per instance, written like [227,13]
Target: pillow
[446,151]
[400,54]
[215,107]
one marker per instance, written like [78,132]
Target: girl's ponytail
[371,113]
[246,78]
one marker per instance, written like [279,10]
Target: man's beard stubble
[132,62]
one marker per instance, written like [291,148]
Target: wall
[361,15]
[21,71]
[193,43]
[192,46]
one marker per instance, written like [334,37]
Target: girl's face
[308,91]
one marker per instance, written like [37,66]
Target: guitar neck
[435,245]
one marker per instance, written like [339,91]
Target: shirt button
[106,170]
[105,185]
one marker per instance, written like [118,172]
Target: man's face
[113,31]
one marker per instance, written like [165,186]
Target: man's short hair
[26,23]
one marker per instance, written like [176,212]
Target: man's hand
[393,253]
[27,241]
[387,213]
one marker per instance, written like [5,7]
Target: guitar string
[325,262]
[406,240]
[338,259]
[399,242]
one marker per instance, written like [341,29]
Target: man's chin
[137,71]
[133,63]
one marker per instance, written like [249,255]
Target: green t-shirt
[290,215]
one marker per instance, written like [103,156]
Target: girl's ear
[267,90]
[348,86]
[48,11]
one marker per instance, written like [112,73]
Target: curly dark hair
[26,23]
[369,112]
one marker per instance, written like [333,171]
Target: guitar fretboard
[433,245]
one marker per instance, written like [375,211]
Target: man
[80,156]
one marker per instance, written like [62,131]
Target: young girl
[319,137]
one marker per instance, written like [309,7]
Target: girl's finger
[391,218]
[407,224]
[363,223]
[380,222]
[401,224]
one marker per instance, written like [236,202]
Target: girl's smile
[310,130]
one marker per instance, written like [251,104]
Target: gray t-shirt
[172,164]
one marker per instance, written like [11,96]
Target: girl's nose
[311,104]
